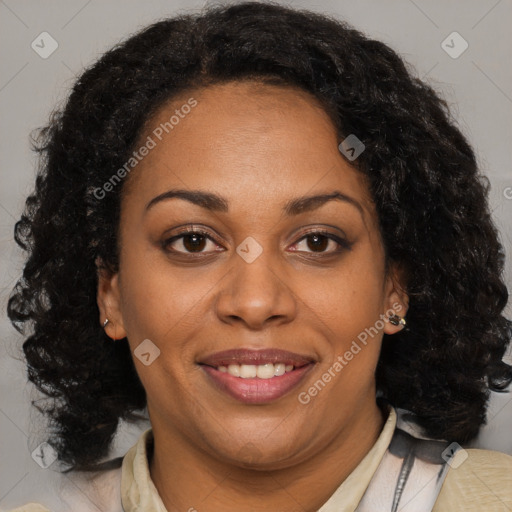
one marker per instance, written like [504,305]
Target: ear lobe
[108,299]
[397,300]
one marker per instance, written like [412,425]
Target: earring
[106,322]
[397,320]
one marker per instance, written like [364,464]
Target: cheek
[349,299]
[162,303]
[349,304]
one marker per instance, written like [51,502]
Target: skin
[258,146]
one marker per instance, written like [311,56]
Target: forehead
[254,143]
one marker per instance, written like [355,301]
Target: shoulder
[477,480]
[80,491]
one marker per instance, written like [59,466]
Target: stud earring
[397,320]
[106,322]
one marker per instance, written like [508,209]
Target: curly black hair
[431,200]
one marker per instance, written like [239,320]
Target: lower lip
[256,390]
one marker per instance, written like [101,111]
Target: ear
[396,300]
[109,301]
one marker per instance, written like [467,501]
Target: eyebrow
[216,203]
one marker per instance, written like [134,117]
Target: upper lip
[255,357]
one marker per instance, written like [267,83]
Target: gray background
[477,85]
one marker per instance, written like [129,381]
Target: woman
[257,224]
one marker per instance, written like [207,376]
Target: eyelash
[343,244]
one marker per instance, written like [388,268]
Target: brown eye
[189,242]
[194,242]
[319,241]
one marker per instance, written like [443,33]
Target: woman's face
[256,278]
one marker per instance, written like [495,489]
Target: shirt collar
[347,496]
[139,494]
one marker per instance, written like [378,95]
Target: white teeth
[279,369]
[234,369]
[262,371]
[265,371]
[248,371]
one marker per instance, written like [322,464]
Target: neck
[188,480]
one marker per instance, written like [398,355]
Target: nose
[257,293]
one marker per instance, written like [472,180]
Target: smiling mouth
[256,384]
[251,371]
[256,376]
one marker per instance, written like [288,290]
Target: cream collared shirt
[482,483]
